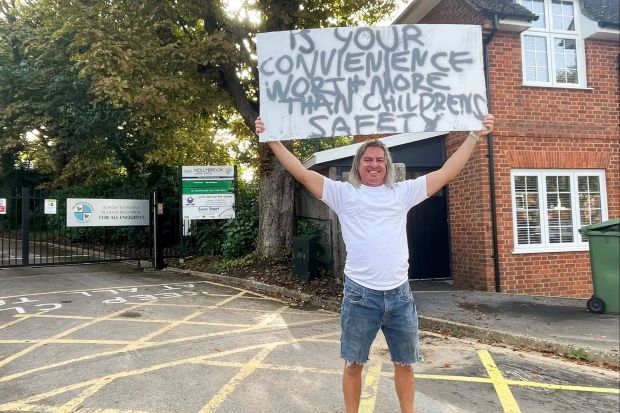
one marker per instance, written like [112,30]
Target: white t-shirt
[374,229]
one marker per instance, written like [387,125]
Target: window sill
[578,248]
[557,86]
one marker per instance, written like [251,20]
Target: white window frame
[545,245]
[549,33]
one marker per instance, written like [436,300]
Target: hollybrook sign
[208,192]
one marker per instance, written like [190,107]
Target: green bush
[236,237]
[240,234]
[207,238]
[232,263]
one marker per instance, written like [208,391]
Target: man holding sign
[348,81]
[360,81]
[372,210]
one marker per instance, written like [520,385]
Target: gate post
[25,226]
[158,250]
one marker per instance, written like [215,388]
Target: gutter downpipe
[490,156]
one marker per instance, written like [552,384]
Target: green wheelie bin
[604,241]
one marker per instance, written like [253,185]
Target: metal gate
[32,235]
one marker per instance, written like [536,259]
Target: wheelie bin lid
[609,227]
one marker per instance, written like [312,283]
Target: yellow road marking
[453,378]
[242,330]
[370,387]
[563,387]
[23,403]
[254,293]
[501,386]
[229,299]
[245,371]
[267,320]
[232,384]
[142,341]
[74,403]
[325,341]
[69,317]
[247,310]
[114,411]
[21,318]
[161,343]
[138,320]
[262,324]
[63,334]
[104,288]
[71,341]
[268,366]
[45,409]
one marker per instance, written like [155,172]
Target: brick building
[552,165]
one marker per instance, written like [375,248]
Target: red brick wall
[469,200]
[470,222]
[453,12]
[552,128]
[536,128]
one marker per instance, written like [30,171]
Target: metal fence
[30,236]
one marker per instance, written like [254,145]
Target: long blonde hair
[354,175]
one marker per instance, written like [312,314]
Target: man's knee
[353,369]
[405,368]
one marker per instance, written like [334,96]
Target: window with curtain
[552,49]
[550,206]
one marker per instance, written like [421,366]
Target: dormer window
[552,49]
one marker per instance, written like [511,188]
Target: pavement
[121,338]
[560,326]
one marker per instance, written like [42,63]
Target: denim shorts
[364,311]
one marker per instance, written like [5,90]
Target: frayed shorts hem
[348,363]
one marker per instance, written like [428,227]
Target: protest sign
[367,80]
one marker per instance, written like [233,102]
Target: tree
[53,123]
[167,61]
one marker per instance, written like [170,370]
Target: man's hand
[488,121]
[312,180]
[259,126]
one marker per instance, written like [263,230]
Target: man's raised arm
[313,181]
[453,166]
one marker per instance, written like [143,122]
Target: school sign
[90,212]
[208,192]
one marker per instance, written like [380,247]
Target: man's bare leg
[404,381]
[352,386]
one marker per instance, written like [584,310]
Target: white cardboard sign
[368,80]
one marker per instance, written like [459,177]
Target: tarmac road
[113,338]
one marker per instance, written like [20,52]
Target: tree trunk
[276,207]
[276,189]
